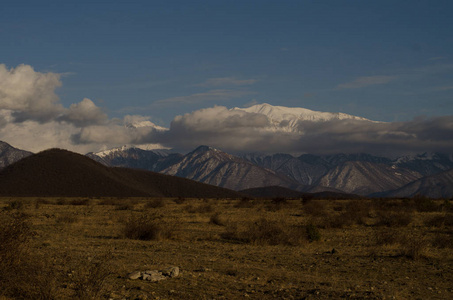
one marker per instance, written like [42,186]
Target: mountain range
[362,174]
[61,173]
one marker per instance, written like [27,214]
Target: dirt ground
[375,257]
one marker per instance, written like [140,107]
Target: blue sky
[127,55]
[383,60]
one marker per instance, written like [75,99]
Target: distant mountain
[434,186]
[305,169]
[131,157]
[363,177]
[361,173]
[9,154]
[209,165]
[288,118]
[426,163]
[58,172]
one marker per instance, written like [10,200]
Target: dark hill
[57,172]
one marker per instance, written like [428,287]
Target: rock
[134,275]
[171,272]
[153,276]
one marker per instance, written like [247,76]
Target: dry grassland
[63,248]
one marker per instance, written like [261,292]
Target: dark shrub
[313,233]
[155,203]
[216,219]
[146,229]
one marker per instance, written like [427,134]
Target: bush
[423,204]
[394,219]
[245,202]
[15,204]
[264,232]
[89,277]
[440,221]
[204,208]
[180,200]
[315,208]
[313,233]
[216,220]
[80,202]
[387,236]
[144,228]
[414,248]
[443,241]
[23,274]
[155,203]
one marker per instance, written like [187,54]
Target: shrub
[204,208]
[315,208]
[394,219]
[62,201]
[146,229]
[155,203]
[387,236]
[424,204]
[124,206]
[414,248]
[89,277]
[216,219]
[80,202]
[66,218]
[245,202]
[15,204]
[313,233]
[443,241]
[180,200]
[440,221]
[264,232]
[23,274]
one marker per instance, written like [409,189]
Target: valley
[73,247]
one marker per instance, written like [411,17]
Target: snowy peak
[156,149]
[294,114]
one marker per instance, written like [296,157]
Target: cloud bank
[239,131]
[32,118]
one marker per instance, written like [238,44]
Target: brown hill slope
[57,172]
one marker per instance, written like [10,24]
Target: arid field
[84,248]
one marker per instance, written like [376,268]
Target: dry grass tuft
[155,203]
[146,229]
[89,276]
[414,248]
[265,232]
[217,220]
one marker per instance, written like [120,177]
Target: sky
[73,74]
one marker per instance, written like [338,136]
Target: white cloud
[84,113]
[32,117]
[29,94]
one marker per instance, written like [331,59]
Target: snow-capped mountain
[212,166]
[288,118]
[364,178]
[351,173]
[435,186]
[133,157]
[9,154]
[426,163]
